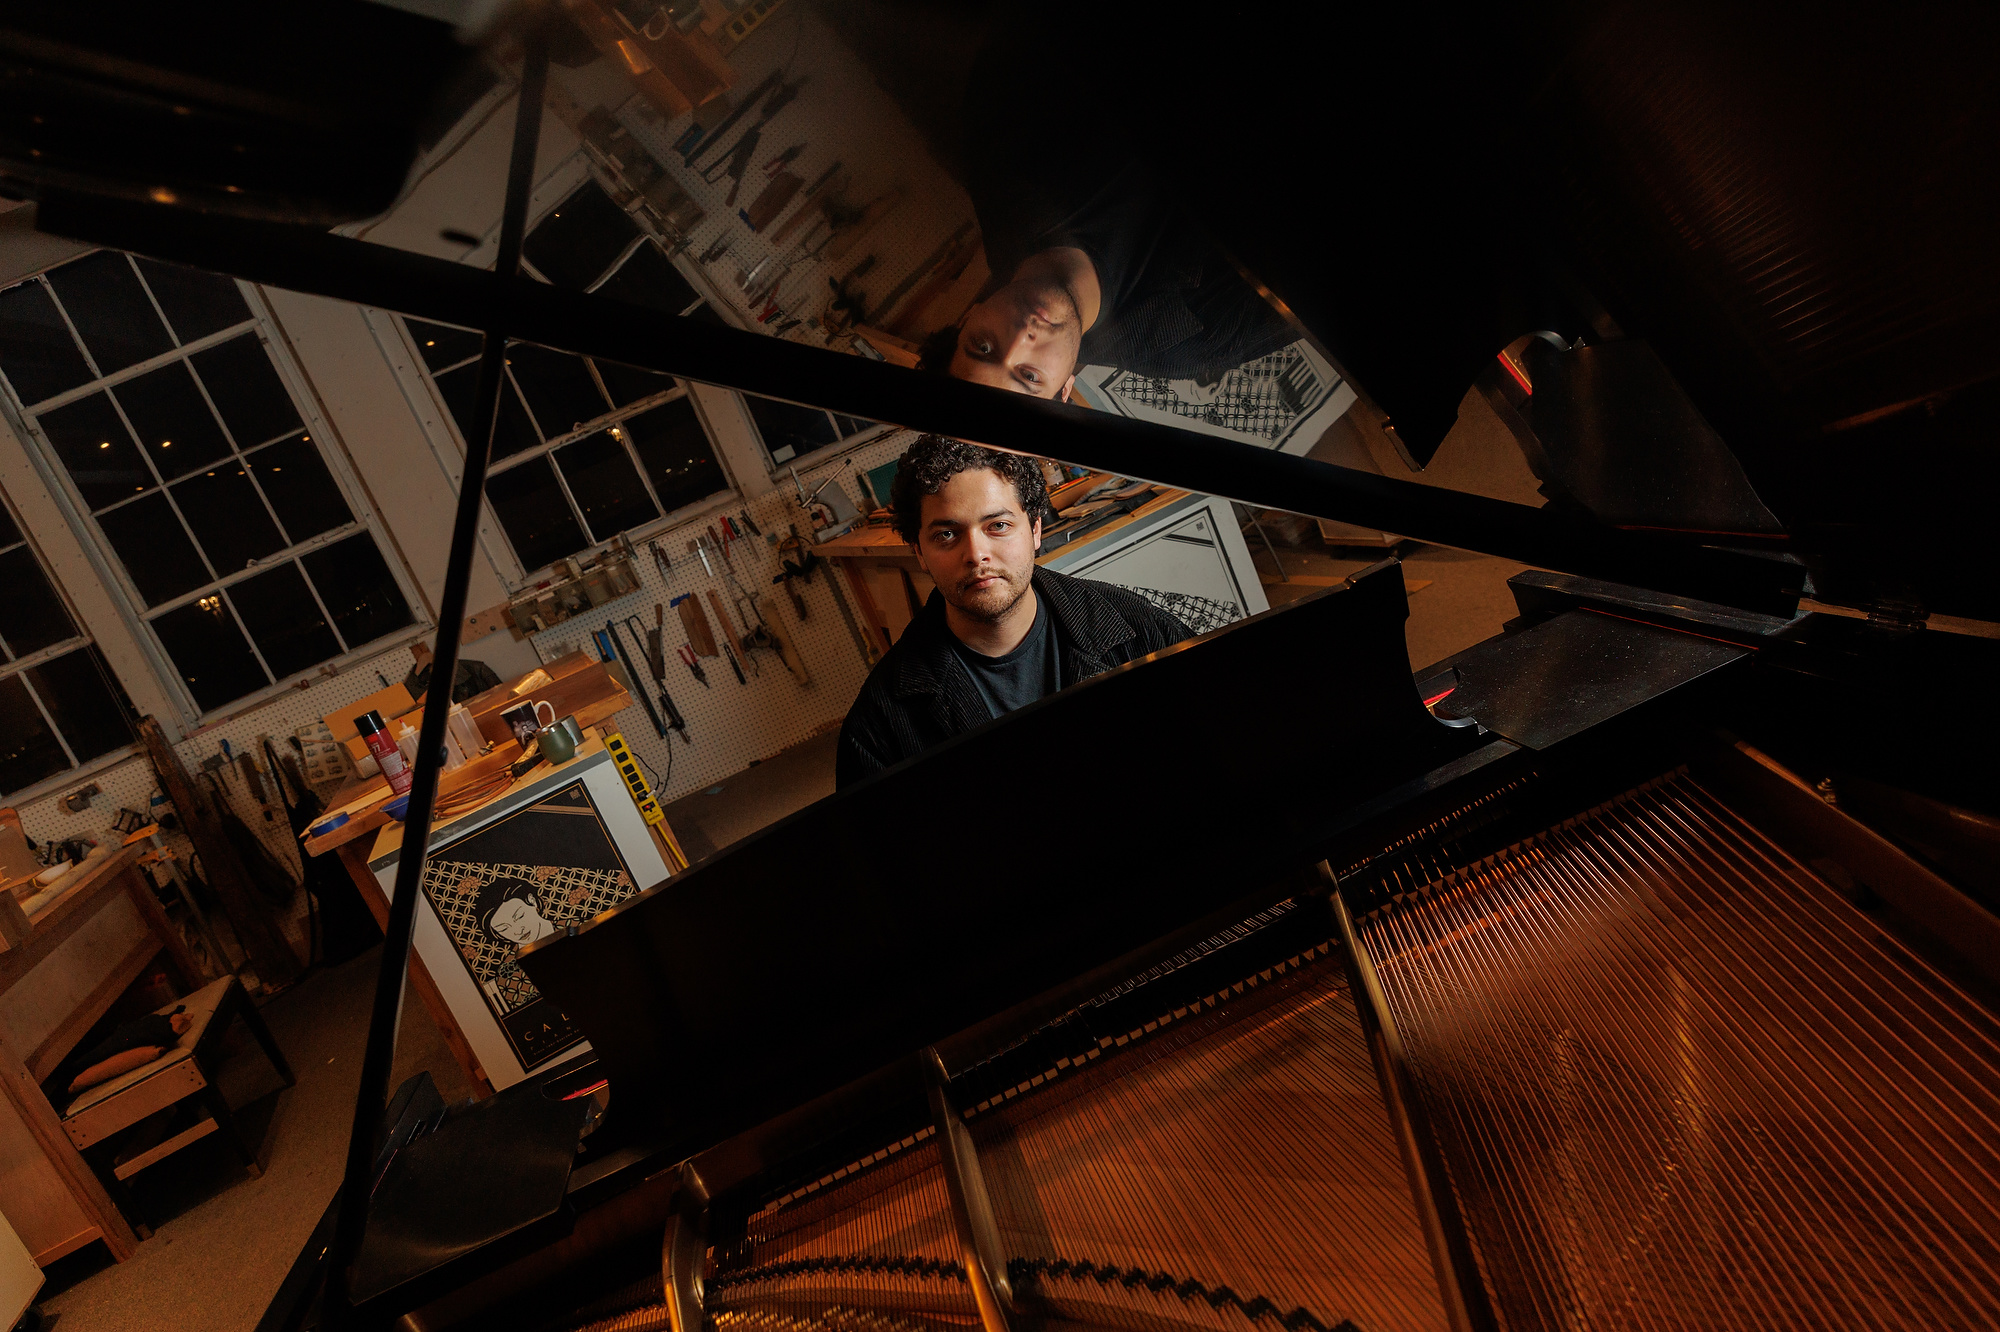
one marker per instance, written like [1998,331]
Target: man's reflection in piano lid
[1095,260]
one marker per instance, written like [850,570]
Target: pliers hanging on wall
[687,655]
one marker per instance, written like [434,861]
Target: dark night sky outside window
[158,398]
[583,449]
[60,707]
[791,431]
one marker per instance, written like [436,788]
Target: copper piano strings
[1700,1128]
[1529,872]
[1231,1170]
[1512,1205]
[890,1229]
[1114,1157]
[1687,1096]
[1523,861]
[1502,1258]
[1764,1069]
[1956,1177]
[1846,1064]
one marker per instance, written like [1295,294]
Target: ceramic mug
[525,720]
[556,745]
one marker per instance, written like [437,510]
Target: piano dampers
[1678,1082]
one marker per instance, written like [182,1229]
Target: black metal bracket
[971,1207]
[684,1253]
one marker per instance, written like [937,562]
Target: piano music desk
[81,952]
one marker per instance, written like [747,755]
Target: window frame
[868,434]
[439,418]
[81,519]
[420,387]
[81,640]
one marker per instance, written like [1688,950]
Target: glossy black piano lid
[897,912]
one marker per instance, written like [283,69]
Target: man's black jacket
[919,696]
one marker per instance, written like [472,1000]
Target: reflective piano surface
[1556,987]
[1506,1023]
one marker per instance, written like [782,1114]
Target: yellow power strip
[649,807]
[635,781]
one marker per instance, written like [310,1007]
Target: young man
[1102,263]
[999,632]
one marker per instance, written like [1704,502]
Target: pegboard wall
[841,115]
[731,724]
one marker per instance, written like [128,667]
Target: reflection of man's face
[1023,337]
[518,922]
[977,544]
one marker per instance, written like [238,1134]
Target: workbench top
[537,782]
[77,891]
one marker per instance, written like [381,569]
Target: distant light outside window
[151,388]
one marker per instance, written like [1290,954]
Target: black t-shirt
[1031,671]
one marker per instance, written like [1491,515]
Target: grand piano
[1636,967]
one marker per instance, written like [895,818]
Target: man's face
[1023,337]
[977,544]
[516,921]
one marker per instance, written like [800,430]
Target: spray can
[382,745]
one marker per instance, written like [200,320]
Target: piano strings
[1679,1081]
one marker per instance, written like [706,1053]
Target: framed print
[516,880]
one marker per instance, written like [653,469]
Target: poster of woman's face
[511,912]
[511,883]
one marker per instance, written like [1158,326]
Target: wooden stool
[99,1116]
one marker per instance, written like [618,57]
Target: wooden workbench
[82,950]
[578,687]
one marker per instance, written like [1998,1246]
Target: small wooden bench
[98,1119]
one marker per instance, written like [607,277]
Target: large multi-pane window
[791,431]
[153,391]
[582,448]
[60,706]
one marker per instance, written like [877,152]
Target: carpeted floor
[223,1241]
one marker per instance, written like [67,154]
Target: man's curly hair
[936,459]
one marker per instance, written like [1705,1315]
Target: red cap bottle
[383,746]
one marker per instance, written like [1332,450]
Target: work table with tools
[573,685]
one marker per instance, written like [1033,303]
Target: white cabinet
[1191,547]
